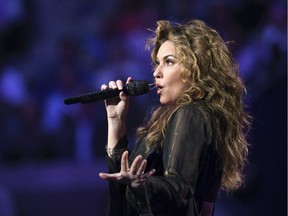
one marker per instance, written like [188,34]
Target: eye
[169,62]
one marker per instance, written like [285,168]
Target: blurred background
[51,153]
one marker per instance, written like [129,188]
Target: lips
[159,88]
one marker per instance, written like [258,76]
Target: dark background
[51,153]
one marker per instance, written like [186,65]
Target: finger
[124,162]
[148,174]
[135,164]
[119,84]
[129,79]
[123,96]
[108,176]
[112,84]
[142,167]
[103,87]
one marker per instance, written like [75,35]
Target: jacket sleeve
[184,147]
[117,192]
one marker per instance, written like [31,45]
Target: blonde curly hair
[211,76]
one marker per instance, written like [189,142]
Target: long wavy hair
[211,76]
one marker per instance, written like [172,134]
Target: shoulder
[191,111]
[192,116]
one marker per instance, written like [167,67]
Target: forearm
[116,130]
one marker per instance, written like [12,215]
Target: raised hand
[134,175]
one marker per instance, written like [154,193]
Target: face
[168,74]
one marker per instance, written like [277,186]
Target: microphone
[134,88]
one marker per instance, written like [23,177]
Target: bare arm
[116,113]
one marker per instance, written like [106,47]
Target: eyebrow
[166,57]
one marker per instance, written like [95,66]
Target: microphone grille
[137,87]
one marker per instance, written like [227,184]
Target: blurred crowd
[50,50]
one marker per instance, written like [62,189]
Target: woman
[194,144]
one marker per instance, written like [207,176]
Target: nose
[157,72]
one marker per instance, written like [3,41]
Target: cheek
[174,93]
[178,87]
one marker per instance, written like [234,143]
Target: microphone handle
[93,96]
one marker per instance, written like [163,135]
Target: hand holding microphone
[117,107]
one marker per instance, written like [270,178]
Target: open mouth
[159,88]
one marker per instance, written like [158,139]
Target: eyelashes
[168,62]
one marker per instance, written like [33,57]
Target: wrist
[117,127]
[115,153]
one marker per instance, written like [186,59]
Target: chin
[167,102]
[164,102]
